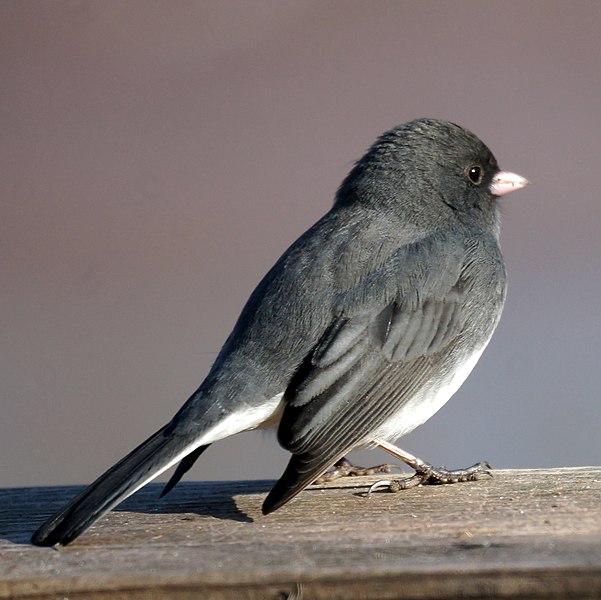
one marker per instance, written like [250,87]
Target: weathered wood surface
[522,534]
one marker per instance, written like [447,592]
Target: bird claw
[344,468]
[429,475]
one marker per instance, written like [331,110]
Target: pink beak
[505,181]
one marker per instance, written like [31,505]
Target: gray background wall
[157,157]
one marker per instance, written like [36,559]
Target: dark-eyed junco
[361,331]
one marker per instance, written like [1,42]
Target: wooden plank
[526,533]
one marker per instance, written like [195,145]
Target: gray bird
[361,331]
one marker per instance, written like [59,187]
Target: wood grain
[522,534]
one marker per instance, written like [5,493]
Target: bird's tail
[140,466]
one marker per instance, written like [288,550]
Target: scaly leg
[344,468]
[425,473]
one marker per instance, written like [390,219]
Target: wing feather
[398,329]
[364,368]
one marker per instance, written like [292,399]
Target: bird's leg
[425,473]
[344,468]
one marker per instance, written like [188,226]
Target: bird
[362,330]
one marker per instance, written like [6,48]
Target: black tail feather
[184,466]
[140,465]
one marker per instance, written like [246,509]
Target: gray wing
[365,367]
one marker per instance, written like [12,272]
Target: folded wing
[362,371]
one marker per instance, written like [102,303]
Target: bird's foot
[344,468]
[426,474]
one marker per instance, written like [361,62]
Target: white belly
[422,407]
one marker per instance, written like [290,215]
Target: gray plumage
[363,324]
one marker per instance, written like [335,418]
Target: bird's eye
[475,174]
